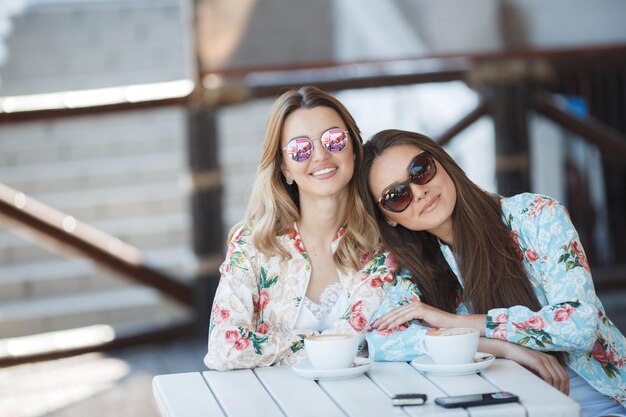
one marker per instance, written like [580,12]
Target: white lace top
[333,303]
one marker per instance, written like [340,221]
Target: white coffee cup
[331,351]
[451,346]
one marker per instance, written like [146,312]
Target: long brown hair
[274,205]
[493,275]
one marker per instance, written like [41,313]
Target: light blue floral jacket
[572,318]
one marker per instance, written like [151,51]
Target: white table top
[278,391]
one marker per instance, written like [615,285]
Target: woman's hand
[428,315]
[415,310]
[547,367]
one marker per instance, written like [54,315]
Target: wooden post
[506,84]
[509,110]
[206,212]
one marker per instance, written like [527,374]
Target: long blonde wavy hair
[274,205]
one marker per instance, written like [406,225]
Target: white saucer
[426,365]
[306,370]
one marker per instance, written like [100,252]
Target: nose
[419,191]
[319,153]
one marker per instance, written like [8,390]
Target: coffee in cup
[331,351]
[451,346]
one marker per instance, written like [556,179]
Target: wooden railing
[531,71]
[52,227]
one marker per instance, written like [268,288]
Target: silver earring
[392,223]
[289,180]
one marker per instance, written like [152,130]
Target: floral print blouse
[572,318]
[259,297]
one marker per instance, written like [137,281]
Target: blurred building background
[169,178]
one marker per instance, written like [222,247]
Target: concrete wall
[563,23]
[69,45]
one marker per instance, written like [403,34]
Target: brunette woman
[292,267]
[512,268]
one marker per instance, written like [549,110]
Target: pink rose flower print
[577,249]
[515,245]
[599,353]
[299,245]
[231,336]
[231,249]
[263,328]
[500,332]
[264,298]
[238,236]
[357,321]
[242,343]
[538,206]
[582,259]
[297,241]
[531,255]
[340,233]
[376,282]
[358,306]
[535,322]
[562,314]
[391,262]
[221,315]
[388,278]
[365,258]
[501,318]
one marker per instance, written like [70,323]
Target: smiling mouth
[431,204]
[323,171]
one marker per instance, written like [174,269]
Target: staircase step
[40,315]
[69,276]
[154,130]
[145,233]
[93,173]
[91,205]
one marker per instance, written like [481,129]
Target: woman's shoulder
[527,205]
[241,234]
[386,265]
[381,261]
[242,242]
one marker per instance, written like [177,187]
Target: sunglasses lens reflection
[300,149]
[398,198]
[335,140]
[422,169]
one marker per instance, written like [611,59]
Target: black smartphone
[477,399]
[408,399]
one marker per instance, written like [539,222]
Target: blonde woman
[292,265]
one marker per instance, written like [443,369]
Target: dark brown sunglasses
[396,198]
